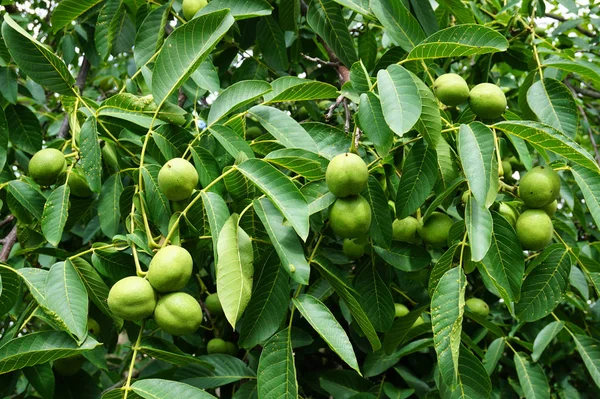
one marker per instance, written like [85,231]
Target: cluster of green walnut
[48,166]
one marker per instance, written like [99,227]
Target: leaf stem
[133,357]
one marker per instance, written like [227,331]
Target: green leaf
[271,40]
[185,49]
[447,307]
[479,223]
[150,35]
[473,380]
[367,48]
[400,328]
[206,76]
[159,210]
[3,138]
[544,338]
[66,296]
[589,183]
[553,104]
[531,377]
[239,9]
[236,96]
[36,60]
[40,347]
[372,123]
[548,138]
[90,154]
[430,123]
[291,88]
[400,98]
[110,19]
[404,256]
[419,174]
[460,10]
[8,84]
[589,350]
[476,151]
[23,128]
[218,214]
[545,286]
[306,164]
[154,388]
[109,206]
[281,191]
[460,41]
[504,263]
[207,167]
[234,269]
[164,350]
[55,214]
[231,141]
[493,354]
[381,225]
[69,10]
[324,323]
[289,13]
[439,199]
[360,6]
[586,69]
[350,298]
[276,372]
[9,290]
[96,288]
[41,377]
[269,304]
[376,298]
[398,22]
[326,19]
[285,129]
[284,240]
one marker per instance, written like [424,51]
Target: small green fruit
[451,89]
[478,307]
[350,217]
[487,100]
[539,187]
[534,229]
[93,327]
[468,265]
[353,249]
[232,348]
[325,104]
[213,305]
[400,310]
[69,366]
[178,313]
[78,184]
[253,132]
[302,114]
[550,209]
[132,298]
[177,179]
[434,231]
[191,7]
[170,269]
[418,322]
[507,169]
[509,213]
[347,174]
[46,165]
[406,230]
[216,345]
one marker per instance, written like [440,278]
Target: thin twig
[587,92]
[320,61]
[347,122]
[8,243]
[585,118]
[580,28]
[333,107]
[7,220]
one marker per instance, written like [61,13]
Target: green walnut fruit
[302,113]
[507,169]
[509,213]
[539,187]
[534,229]
[78,184]
[478,307]
[93,327]
[347,174]
[191,7]
[69,366]
[487,100]
[325,104]
[46,165]
[350,217]
[132,298]
[178,313]
[179,206]
[232,348]
[177,179]
[418,322]
[353,248]
[253,132]
[550,209]
[468,265]
[170,269]
[451,89]
[400,310]
[213,305]
[406,230]
[434,231]
[216,345]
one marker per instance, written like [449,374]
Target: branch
[587,92]
[320,61]
[580,28]
[7,220]
[8,243]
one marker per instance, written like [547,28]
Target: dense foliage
[280,199]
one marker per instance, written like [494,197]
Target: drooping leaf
[236,96]
[589,350]
[91,154]
[231,141]
[430,123]
[150,36]
[373,124]
[235,269]
[398,22]
[69,10]
[400,98]
[276,372]
[589,184]
[493,354]
[96,288]
[376,298]
[185,49]
[400,329]
[531,377]
[324,323]
[23,128]
[54,217]
[479,224]
[554,105]
[381,221]
[404,256]
[544,338]
[476,151]
[109,205]
[271,40]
